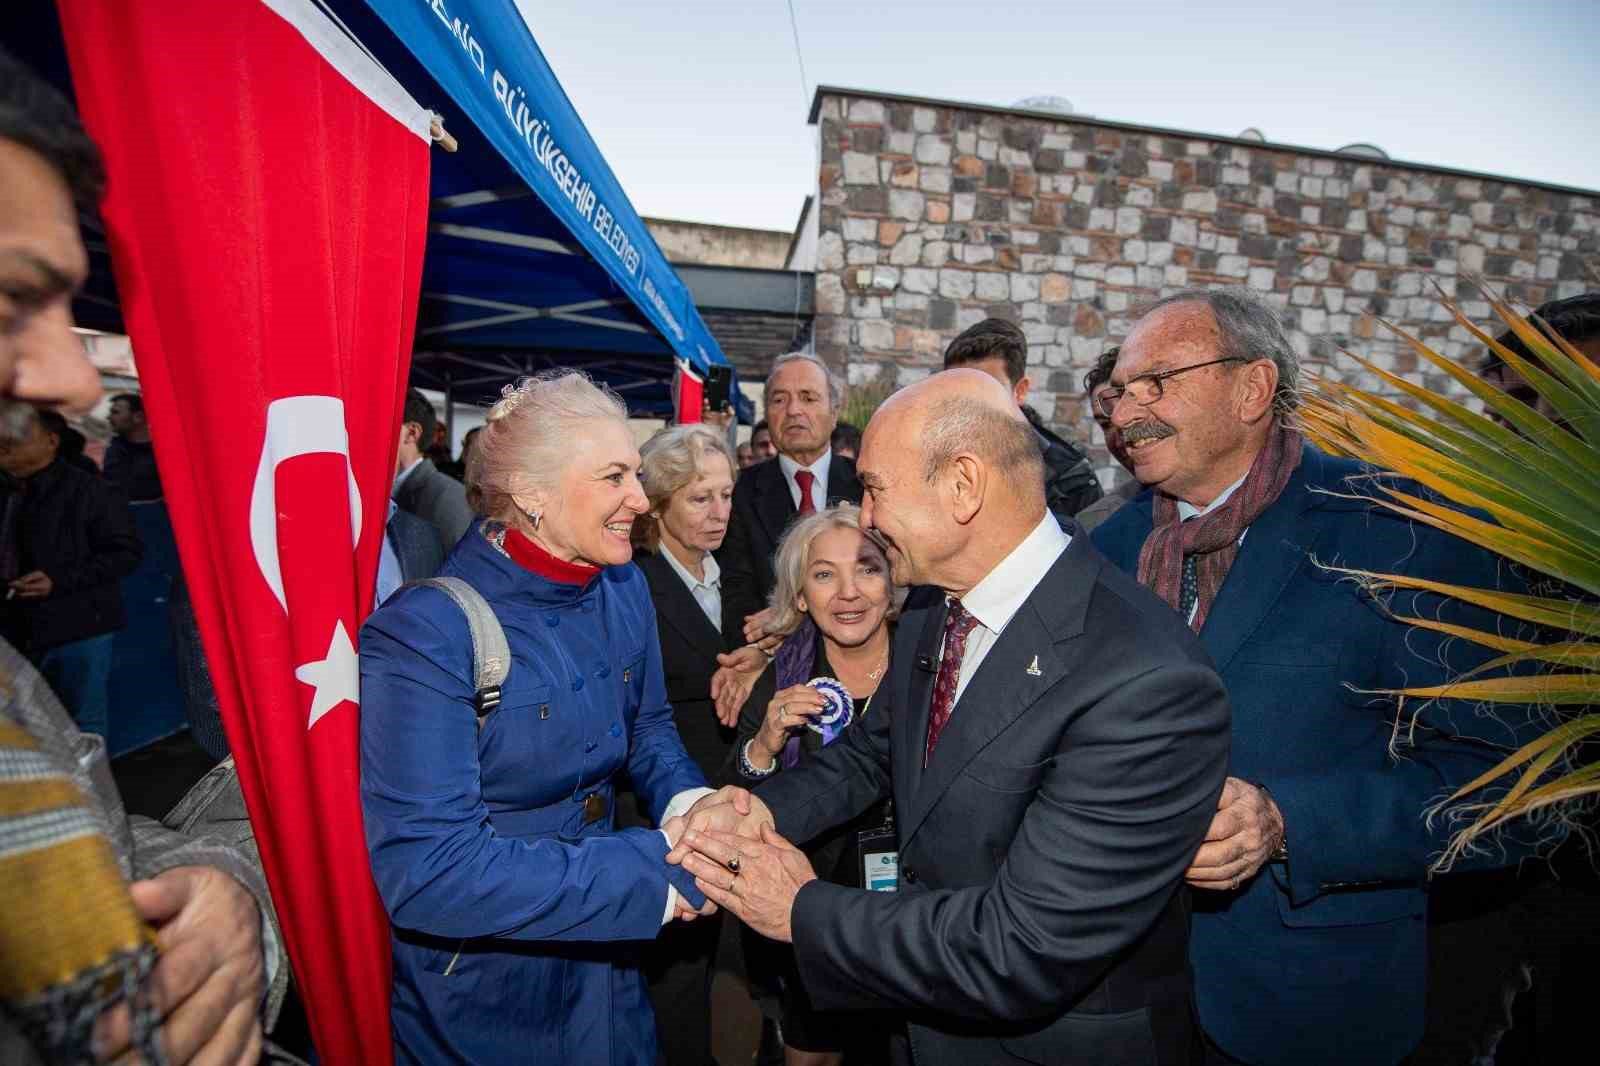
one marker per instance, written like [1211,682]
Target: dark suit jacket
[437,498]
[689,647]
[1323,961]
[762,509]
[416,545]
[1041,915]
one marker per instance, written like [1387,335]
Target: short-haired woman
[510,894]
[832,603]
[687,474]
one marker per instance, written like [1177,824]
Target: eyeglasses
[1146,389]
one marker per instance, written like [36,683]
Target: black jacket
[1070,484]
[762,509]
[76,528]
[1041,914]
[689,648]
[131,466]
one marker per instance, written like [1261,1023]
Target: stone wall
[935,215]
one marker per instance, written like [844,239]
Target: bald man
[1055,742]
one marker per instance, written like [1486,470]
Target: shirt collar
[400,478]
[1188,510]
[712,570]
[1004,589]
[819,468]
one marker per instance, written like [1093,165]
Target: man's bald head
[952,470]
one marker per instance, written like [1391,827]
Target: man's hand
[1243,835]
[207,985]
[736,675]
[770,874]
[730,810]
[32,586]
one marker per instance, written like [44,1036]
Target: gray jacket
[437,497]
[143,847]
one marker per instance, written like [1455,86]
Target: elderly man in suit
[420,488]
[802,403]
[1055,742]
[1309,942]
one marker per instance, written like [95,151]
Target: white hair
[526,441]
[836,389]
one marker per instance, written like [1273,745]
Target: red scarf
[1214,538]
[528,555]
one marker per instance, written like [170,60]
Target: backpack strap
[491,655]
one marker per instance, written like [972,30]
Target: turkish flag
[691,390]
[267,209]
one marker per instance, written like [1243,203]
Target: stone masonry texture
[934,216]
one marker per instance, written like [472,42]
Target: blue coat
[1324,961]
[511,915]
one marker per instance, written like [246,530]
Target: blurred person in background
[420,488]
[130,457]
[846,441]
[761,446]
[69,442]
[747,458]
[1097,387]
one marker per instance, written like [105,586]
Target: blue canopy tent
[535,257]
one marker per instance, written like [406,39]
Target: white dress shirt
[1188,510]
[1003,590]
[819,487]
[707,592]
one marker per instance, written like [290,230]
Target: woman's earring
[535,517]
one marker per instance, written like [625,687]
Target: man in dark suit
[1055,743]
[1309,942]
[420,488]
[802,403]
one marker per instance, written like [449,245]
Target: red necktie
[805,479]
[957,625]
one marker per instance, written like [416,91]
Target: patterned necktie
[957,625]
[1189,590]
[805,479]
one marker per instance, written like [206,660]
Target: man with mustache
[87,982]
[1309,943]
[802,402]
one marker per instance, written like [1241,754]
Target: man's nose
[52,369]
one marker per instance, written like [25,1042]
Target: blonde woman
[510,892]
[832,603]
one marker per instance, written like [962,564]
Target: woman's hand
[736,675]
[787,711]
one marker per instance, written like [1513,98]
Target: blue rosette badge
[838,709]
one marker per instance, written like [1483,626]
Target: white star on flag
[336,678]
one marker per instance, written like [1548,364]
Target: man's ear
[1019,391]
[966,479]
[1258,388]
[411,433]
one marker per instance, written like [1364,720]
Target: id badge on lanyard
[877,850]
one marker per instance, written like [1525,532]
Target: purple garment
[792,664]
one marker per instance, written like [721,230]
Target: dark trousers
[678,967]
[80,674]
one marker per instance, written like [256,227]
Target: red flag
[690,388]
[266,211]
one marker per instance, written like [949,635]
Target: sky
[699,106]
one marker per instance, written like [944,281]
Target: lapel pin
[1033,668]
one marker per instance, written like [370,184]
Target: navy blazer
[1040,915]
[763,507]
[1323,961]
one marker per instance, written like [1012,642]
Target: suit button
[910,874]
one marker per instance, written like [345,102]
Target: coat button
[616,730]
[603,672]
[589,746]
[910,874]
[577,684]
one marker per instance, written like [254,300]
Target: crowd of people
[945,752]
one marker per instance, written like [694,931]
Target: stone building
[932,215]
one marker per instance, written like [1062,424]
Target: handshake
[727,841]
